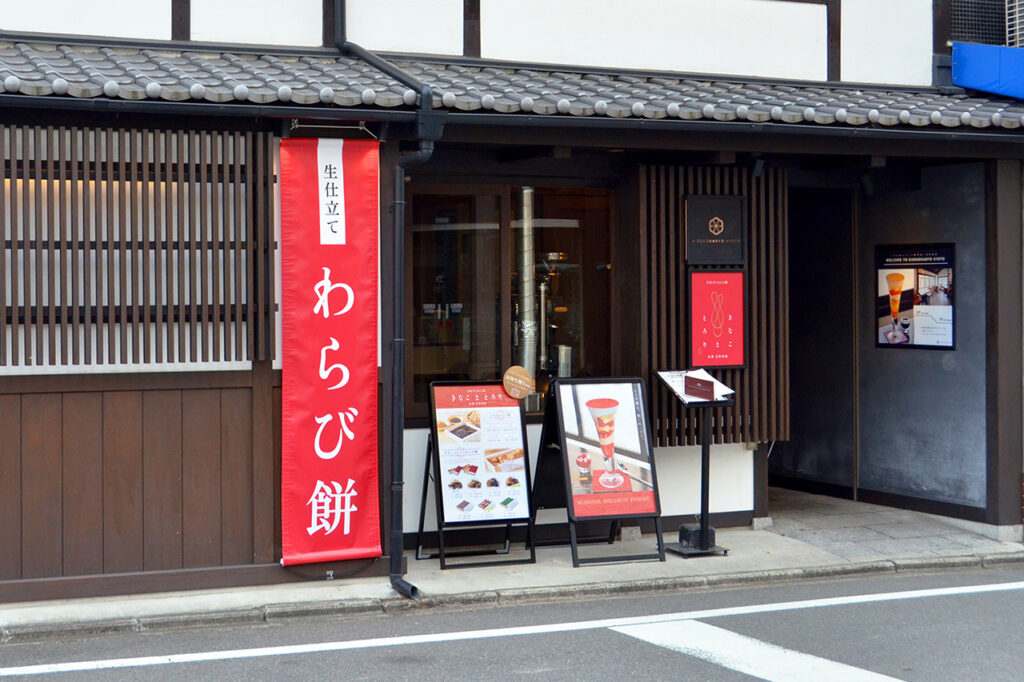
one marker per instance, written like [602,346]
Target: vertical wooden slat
[747,391]
[122,481]
[40,485]
[90,182]
[268,246]
[7,229]
[147,245]
[250,238]
[121,186]
[140,191]
[38,245]
[10,484]
[182,252]
[645,317]
[161,479]
[65,245]
[236,477]
[110,245]
[218,216]
[203,223]
[238,232]
[74,178]
[52,225]
[27,249]
[201,478]
[16,249]
[167,303]
[82,473]
[659,289]
[159,242]
[193,226]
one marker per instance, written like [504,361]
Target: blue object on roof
[989,68]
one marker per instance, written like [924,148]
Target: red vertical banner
[329,269]
[716,319]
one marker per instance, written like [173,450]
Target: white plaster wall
[112,18]
[732,479]
[259,22]
[739,37]
[887,41]
[678,469]
[419,26]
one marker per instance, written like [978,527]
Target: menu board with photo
[914,296]
[481,463]
[606,448]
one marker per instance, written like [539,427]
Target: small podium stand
[700,391]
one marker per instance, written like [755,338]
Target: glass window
[455,290]
[510,276]
[561,290]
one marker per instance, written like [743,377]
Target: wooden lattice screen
[761,410]
[131,246]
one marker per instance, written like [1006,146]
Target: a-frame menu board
[481,466]
[599,429]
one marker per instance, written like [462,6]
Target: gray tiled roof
[319,79]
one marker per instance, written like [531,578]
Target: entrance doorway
[821,455]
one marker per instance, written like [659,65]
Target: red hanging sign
[716,319]
[329,240]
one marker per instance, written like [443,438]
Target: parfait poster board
[606,449]
[914,296]
[481,466]
[717,308]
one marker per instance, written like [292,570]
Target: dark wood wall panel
[10,487]
[161,480]
[117,481]
[761,411]
[236,477]
[82,472]
[122,482]
[41,484]
[201,477]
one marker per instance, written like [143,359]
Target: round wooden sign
[518,382]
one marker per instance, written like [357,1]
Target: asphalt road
[941,626]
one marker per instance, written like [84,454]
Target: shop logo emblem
[716,225]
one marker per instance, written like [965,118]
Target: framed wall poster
[481,465]
[717,315]
[606,449]
[914,303]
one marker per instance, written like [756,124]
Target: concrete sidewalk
[811,537]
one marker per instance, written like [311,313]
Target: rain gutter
[429,128]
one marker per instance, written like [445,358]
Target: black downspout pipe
[429,125]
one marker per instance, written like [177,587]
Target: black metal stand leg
[705,479]
[572,544]
[423,501]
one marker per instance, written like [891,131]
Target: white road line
[199,657]
[746,654]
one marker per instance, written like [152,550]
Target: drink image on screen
[603,411]
[895,282]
